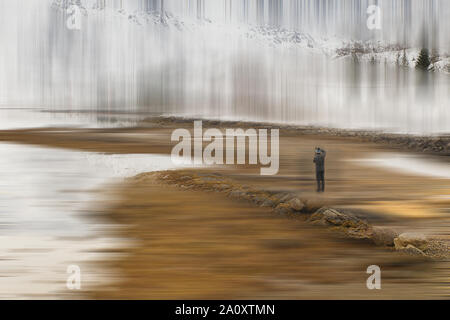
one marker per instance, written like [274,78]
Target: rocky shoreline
[429,144]
[346,224]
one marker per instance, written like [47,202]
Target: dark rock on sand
[349,224]
[236,194]
[282,197]
[267,203]
[283,208]
[296,204]
[311,206]
[417,240]
[382,236]
[411,250]
[334,217]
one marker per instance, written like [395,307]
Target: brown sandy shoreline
[83,139]
[201,243]
[234,249]
[429,144]
[291,205]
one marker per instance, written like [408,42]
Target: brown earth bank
[270,236]
[431,144]
[196,240]
[291,205]
[110,139]
[350,181]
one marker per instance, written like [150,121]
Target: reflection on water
[42,193]
[35,118]
[213,63]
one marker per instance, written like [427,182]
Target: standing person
[319,160]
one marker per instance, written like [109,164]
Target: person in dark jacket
[319,160]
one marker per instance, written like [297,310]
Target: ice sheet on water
[42,193]
[127,165]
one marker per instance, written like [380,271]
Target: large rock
[411,250]
[311,206]
[417,240]
[349,224]
[236,194]
[258,199]
[384,236]
[221,187]
[281,197]
[336,218]
[283,209]
[267,203]
[248,195]
[296,204]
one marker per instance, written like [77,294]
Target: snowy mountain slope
[333,47]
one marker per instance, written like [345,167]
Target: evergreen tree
[434,56]
[404,62]
[423,61]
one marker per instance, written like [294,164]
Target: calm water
[44,196]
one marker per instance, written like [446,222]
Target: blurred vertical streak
[226,58]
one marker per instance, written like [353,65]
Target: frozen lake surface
[45,198]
